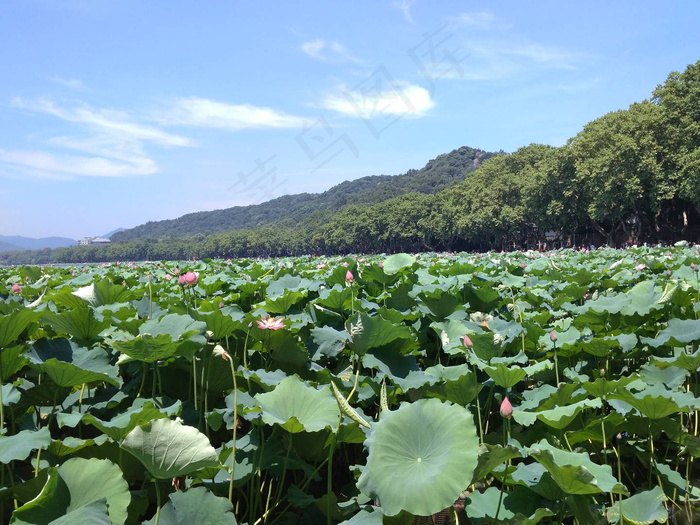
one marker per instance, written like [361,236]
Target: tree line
[631,175]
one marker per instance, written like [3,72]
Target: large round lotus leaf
[169,449]
[90,480]
[149,348]
[397,261]
[574,472]
[81,323]
[373,332]
[641,509]
[196,506]
[19,446]
[298,407]
[94,513]
[421,457]
[79,488]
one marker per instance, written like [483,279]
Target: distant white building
[98,241]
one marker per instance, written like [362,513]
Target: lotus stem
[478,411]
[158,502]
[153,387]
[267,502]
[194,379]
[143,378]
[235,424]
[329,481]
[503,482]
[284,471]
[38,461]
[2,407]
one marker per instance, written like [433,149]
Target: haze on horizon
[117,113]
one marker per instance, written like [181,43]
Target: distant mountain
[108,235]
[17,242]
[7,247]
[436,175]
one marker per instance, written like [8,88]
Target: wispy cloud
[203,112]
[482,19]
[324,50]
[405,7]
[117,124]
[48,163]
[112,143]
[404,99]
[73,83]
[498,59]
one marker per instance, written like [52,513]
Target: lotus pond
[519,388]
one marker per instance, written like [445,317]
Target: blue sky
[117,112]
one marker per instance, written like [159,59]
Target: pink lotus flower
[221,305]
[190,279]
[640,267]
[168,276]
[16,288]
[270,323]
[506,408]
[553,337]
[349,276]
[345,264]
[467,342]
[381,264]
[320,265]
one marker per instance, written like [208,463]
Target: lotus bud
[208,334]
[219,351]
[467,342]
[349,276]
[602,372]
[506,408]
[221,305]
[16,288]
[181,280]
[190,278]
[381,264]
[553,336]
[177,271]
[168,277]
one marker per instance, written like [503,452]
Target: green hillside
[438,174]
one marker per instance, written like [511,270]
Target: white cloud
[47,163]
[113,123]
[497,59]
[482,19]
[203,112]
[112,144]
[332,51]
[405,7]
[73,83]
[405,99]
[313,48]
